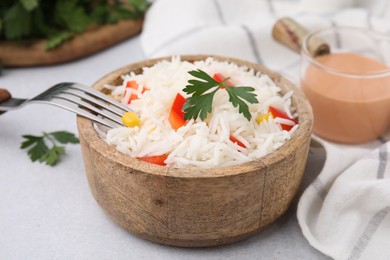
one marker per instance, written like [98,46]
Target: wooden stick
[292,35]
[4,96]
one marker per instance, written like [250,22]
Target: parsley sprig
[39,151]
[203,89]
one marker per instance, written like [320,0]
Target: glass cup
[349,89]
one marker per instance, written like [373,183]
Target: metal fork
[77,98]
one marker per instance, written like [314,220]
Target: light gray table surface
[49,212]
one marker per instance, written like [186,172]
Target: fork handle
[4,96]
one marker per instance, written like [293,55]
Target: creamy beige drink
[349,96]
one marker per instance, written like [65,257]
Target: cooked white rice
[200,143]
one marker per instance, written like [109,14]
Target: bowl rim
[299,101]
[377,36]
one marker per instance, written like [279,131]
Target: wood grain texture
[196,207]
[293,35]
[4,95]
[33,53]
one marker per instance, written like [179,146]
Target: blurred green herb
[60,20]
[39,151]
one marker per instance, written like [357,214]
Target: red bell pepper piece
[218,77]
[176,116]
[133,85]
[175,120]
[178,104]
[158,159]
[234,140]
[278,113]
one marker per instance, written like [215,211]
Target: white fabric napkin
[344,213]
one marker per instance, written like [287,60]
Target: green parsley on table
[203,89]
[60,20]
[40,151]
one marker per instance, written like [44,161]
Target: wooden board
[33,53]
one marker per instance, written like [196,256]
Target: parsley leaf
[52,156]
[57,39]
[238,94]
[39,151]
[17,22]
[31,139]
[29,5]
[202,92]
[65,137]
[140,6]
[71,16]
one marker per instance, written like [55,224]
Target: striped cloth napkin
[345,212]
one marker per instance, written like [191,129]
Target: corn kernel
[264,117]
[131,119]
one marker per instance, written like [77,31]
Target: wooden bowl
[196,207]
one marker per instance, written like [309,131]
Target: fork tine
[77,110]
[98,94]
[85,105]
[92,100]
[84,101]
